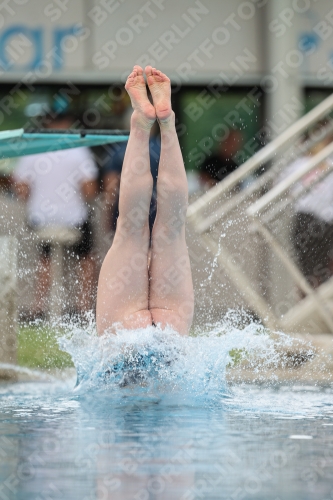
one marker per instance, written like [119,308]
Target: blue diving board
[19,142]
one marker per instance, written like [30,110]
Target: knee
[174,217]
[173,205]
[165,235]
[136,218]
[127,232]
[174,191]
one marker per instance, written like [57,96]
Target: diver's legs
[171,299]
[122,295]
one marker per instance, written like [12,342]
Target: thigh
[171,299]
[122,296]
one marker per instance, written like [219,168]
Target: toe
[148,70]
[130,80]
[138,69]
[162,75]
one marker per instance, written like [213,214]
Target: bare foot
[159,85]
[136,88]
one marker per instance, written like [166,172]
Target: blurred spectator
[119,119]
[111,177]
[57,187]
[122,112]
[312,233]
[217,166]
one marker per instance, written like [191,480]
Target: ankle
[141,122]
[167,123]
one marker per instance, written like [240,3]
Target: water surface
[152,417]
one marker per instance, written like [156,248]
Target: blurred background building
[233,63]
[242,73]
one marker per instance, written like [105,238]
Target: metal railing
[253,205]
[260,183]
[260,158]
[268,200]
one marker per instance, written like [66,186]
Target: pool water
[151,416]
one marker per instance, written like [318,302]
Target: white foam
[162,362]
[300,436]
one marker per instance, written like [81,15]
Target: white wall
[193,40]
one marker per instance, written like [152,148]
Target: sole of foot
[160,88]
[136,89]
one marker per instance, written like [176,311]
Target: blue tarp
[20,143]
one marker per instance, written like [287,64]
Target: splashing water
[152,411]
[162,364]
